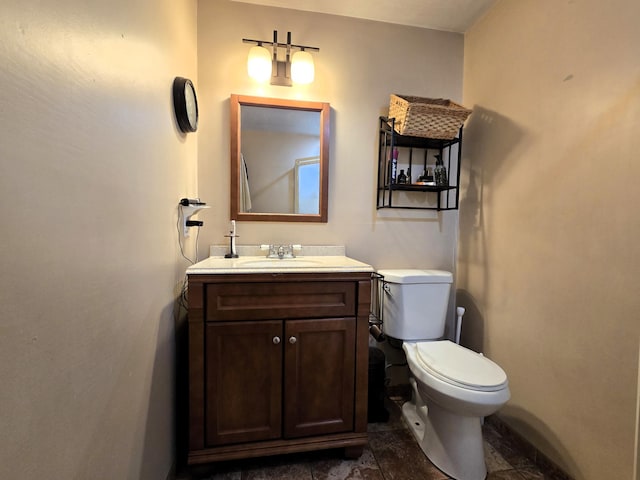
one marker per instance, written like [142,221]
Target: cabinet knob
[276,340]
[292,340]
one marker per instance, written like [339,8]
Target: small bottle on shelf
[393,167]
[440,173]
[402,178]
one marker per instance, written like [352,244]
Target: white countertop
[261,264]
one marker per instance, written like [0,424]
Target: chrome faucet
[281,251]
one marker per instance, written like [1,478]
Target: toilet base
[452,442]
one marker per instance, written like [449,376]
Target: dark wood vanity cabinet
[277,364]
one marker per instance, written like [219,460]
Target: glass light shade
[302,68]
[259,64]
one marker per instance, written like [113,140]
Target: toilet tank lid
[416,276]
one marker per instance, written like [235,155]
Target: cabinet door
[319,368]
[243,381]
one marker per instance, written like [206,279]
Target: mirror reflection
[279,156]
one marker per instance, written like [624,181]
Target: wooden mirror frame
[323,108]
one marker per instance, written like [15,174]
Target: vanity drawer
[262,301]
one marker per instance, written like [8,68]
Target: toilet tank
[415,303]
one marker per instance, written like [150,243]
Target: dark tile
[494,461]
[232,475]
[520,453]
[336,468]
[541,473]
[213,471]
[504,475]
[507,446]
[400,457]
[531,475]
[550,470]
[282,471]
[395,418]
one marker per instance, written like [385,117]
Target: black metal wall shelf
[450,151]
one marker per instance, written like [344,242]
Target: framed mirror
[279,159]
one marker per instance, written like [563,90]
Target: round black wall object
[185,104]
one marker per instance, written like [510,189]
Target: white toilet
[453,387]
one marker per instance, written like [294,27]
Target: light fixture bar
[265,43]
[281,69]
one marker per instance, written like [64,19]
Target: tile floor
[392,454]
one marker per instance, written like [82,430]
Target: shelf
[417,154]
[412,187]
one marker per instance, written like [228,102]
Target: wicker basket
[427,117]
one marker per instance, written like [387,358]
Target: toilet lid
[460,366]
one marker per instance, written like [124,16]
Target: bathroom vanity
[277,356]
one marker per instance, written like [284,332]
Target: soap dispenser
[232,241]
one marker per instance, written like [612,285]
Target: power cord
[181,303]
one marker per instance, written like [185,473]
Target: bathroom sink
[277,263]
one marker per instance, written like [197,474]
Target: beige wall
[548,254]
[359,65]
[92,168]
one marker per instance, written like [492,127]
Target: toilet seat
[460,366]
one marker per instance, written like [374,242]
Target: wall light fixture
[263,65]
